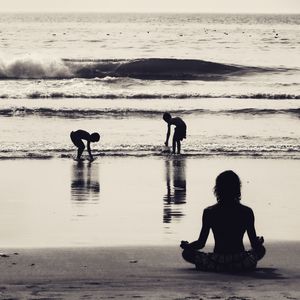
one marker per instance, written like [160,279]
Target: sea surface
[234,80]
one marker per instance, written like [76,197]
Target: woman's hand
[260,240]
[184,244]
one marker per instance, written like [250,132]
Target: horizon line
[153,12]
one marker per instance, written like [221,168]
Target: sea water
[234,79]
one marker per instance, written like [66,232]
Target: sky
[196,6]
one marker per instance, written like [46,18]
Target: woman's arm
[254,239]
[200,243]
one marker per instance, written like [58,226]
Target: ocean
[234,80]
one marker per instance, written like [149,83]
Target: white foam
[33,67]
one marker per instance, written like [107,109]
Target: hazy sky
[244,6]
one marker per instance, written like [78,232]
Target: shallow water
[215,127]
[136,201]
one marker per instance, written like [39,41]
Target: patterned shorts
[215,262]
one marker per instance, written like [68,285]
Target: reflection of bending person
[79,135]
[176,190]
[179,132]
[229,220]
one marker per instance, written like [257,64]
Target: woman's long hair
[228,188]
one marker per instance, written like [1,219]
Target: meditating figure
[79,135]
[229,220]
[179,132]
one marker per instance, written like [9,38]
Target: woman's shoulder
[245,208]
[219,206]
[211,208]
[246,211]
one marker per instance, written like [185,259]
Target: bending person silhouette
[77,137]
[179,132]
[229,220]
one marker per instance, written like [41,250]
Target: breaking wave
[151,69]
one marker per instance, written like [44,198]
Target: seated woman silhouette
[229,220]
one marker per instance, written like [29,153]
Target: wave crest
[28,68]
[150,68]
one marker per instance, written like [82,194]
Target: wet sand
[112,229]
[142,272]
[130,201]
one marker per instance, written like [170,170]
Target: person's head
[167,117]
[95,137]
[228,188]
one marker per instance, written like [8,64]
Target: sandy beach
[66,245]
[118,201]
[111,229]
[142,272]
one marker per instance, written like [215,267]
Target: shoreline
[156,272]
[156,155]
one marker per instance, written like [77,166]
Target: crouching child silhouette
[179,132]
[229,220]
[77,137]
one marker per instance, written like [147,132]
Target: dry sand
[142,272]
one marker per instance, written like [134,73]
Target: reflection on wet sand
[85,186]
[176,189]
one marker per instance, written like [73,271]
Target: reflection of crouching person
[79,135]
[229,220]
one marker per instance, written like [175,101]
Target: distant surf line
[131,112]
[144,96]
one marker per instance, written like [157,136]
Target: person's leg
[78,143]
[178,146]
[199,259]
[80,150]
[174,144]
[189,255]
[259,252]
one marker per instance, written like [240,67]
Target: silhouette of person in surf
[179,132]
[229,220]
[77,137]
